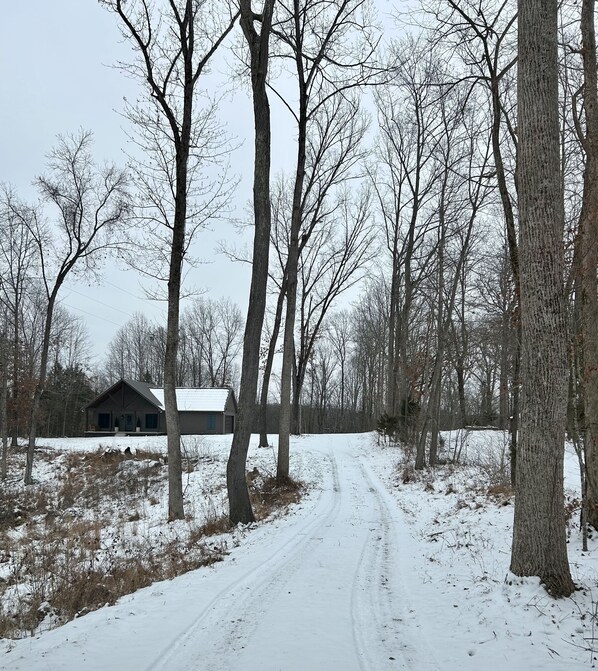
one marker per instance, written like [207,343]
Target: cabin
[138,407]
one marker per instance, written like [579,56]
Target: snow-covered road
[321,596]
[365,574]
[317,590]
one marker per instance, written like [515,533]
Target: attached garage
[137,407]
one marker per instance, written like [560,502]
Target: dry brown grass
[77,547]
[81,540]
[501,492]
[268,494]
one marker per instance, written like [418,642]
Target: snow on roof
[197,400]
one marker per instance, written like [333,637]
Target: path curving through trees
[319,590]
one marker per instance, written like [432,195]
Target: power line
[95,300]
[125,291]
[91,314]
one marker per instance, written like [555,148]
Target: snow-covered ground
[376,568]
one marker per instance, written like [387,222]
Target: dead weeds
[270,494]
[80,539]
[72,544]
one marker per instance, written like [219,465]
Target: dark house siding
[124,406]
[131,404]
[201,422]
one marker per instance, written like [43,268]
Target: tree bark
[539,543]
[4,404]
[588,235]
[268,367]
[172,86]
[175,473]
[39,387]
[238,495]
[291,271]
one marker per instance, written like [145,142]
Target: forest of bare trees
[400,276]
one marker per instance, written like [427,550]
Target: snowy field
[376,568]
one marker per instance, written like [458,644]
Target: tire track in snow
[257,585]
[380,605]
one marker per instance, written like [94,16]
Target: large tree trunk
[539,544]
[238,495]
[588,236]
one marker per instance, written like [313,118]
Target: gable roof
[142,388]
[197,400]
[188,400]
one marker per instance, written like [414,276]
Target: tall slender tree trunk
[238,495]
[175,471]
[503,384]
[292,268]
[39,387]
[434,402]
[588,234]
[513,247]
[15,380]
[392,368]
[3,404]
[268,367]
[292,265]
[177,252]
[539,544]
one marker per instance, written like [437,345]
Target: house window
[103,420]
[151,420]
[211,422]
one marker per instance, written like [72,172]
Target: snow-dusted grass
[93,526]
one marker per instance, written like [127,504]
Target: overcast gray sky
[55,60]
[56,63]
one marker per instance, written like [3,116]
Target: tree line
[430,259]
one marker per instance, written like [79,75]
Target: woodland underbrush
[92,528]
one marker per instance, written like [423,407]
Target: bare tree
[215,327]
[331,45]
[334,260]
[91,204]
[18,262]
[174,43]
[539,543]
[587,252]
[258,43]
[463,154]
[481,34]
[340,339]
[405,179]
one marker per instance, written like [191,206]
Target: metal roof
[196,400]
[189,400]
